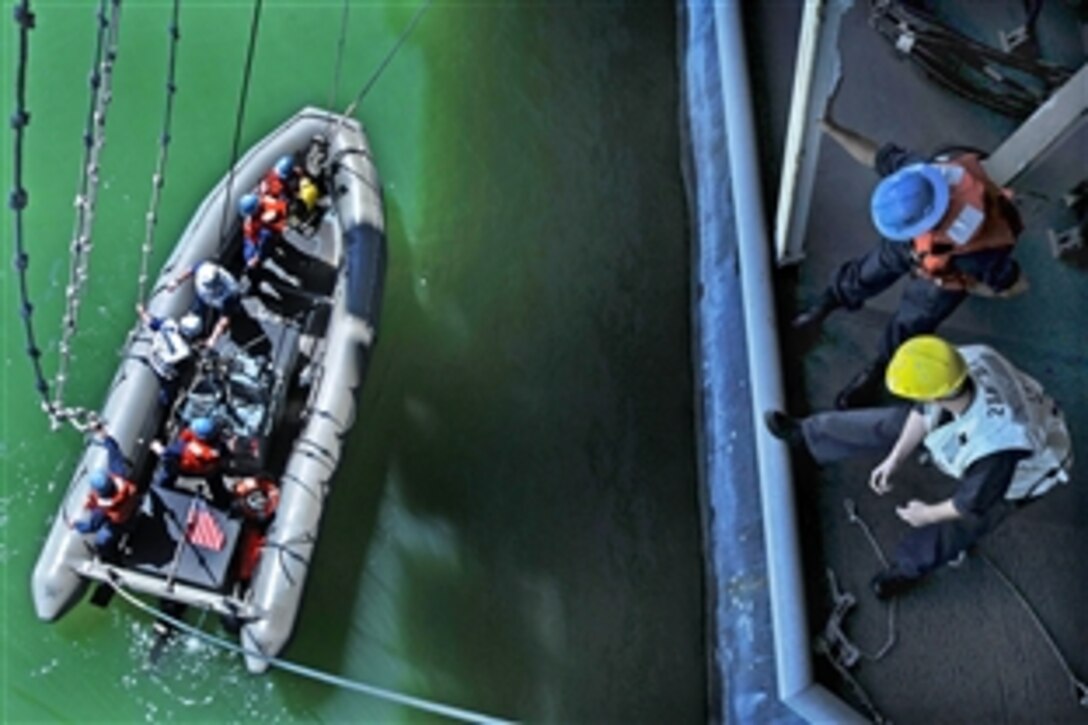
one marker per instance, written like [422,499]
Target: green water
[514,528]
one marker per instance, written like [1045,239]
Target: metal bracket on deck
[835,642]
[1067,243]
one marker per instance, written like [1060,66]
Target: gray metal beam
[796,685]
[1048,153]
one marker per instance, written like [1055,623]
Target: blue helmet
[248,204]
[285,166]
[909,202]
[204,428]
[101,482]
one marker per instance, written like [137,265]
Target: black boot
[891,583]
[863,390]
[812,317]
[784,428]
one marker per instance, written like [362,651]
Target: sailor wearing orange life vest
[256,499]
[112,499]
[197,451]
[264,218]
[946,224]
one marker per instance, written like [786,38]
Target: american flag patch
[201,528]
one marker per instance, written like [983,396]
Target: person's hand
[879,478]
[915,513]
[172,284]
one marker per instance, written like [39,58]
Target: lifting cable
[254,28]
[386,60]
[418,703]
[158,178]
[340,44]
[94,139]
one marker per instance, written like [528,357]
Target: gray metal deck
[966,649]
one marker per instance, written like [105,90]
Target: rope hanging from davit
[19,198]
[158,178]
[254,28]
[101,69]
[417,703]
[94,139]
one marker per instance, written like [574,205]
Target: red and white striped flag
[201,528]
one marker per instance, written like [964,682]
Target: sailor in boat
[264,220]
[297,188]
[286,198]
[171,352]
[216,290]
[255,500]
[199,450]
[112,500]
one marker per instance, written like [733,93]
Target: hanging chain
[94,138]
[19,198]
[159,177]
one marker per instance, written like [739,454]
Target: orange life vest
[249,552]
[974,222]
[271,214]
[271,184]
[198,458]
[258,497]
[119,507]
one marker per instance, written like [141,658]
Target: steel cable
[247,73]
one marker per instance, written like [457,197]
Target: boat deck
[966,649]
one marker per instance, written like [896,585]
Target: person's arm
[861,148]
[117,463]
[180,279]
[918,513]
[912,433]
[984,483]
[220,327]
[92,523]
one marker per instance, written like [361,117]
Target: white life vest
[1010,412]
[168,349]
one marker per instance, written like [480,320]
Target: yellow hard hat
[925,368]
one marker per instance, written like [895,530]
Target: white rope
[854,517]
[417,703]
[1080,689]
[81,244]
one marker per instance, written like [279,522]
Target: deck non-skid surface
[967,650]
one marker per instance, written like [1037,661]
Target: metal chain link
[158,178]
[94,138]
